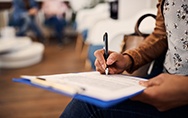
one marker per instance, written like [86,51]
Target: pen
[105,39]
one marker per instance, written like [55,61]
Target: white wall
[128,8]
[154,3]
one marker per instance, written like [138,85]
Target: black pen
[105,39]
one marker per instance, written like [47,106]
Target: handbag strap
[137,31]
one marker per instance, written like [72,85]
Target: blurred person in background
[23,18]
[55,17]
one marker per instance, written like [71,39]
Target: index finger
[99,54]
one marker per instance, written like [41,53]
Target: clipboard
[78,95]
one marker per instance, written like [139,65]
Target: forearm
[174,92]
[153,46]
[165,91]
[184,88]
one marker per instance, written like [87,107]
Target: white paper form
[96,85]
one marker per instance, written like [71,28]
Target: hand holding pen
[110,62]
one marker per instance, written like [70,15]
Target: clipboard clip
[69,89]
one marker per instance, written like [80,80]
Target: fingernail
[109,61]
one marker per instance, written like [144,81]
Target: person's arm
[165,91]
[34,8]
[153,46]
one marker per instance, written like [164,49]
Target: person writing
[166,95]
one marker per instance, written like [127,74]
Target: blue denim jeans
[58,25]
[126,109]
[26,23]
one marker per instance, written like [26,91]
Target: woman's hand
[165,91]
[116,62]
[33,11]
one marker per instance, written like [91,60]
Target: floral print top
[176,21]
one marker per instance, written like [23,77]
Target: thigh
[126,109]
[129,109]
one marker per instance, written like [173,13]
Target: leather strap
[137,31]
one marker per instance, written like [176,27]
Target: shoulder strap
[137,31]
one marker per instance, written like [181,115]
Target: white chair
[20,52]
[28,56]
[86,19]
[82,4]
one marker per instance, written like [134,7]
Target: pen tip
[106,71]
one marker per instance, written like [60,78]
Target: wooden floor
[22,101]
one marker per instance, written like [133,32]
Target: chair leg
[87,65]
[79,45]
[84,52]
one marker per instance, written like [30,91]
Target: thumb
[112,58]
[156,81]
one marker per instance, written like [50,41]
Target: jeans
[58,25]
[126,109]
[26,23]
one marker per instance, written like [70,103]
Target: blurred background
[42,37]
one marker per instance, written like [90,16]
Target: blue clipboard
[94,101]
